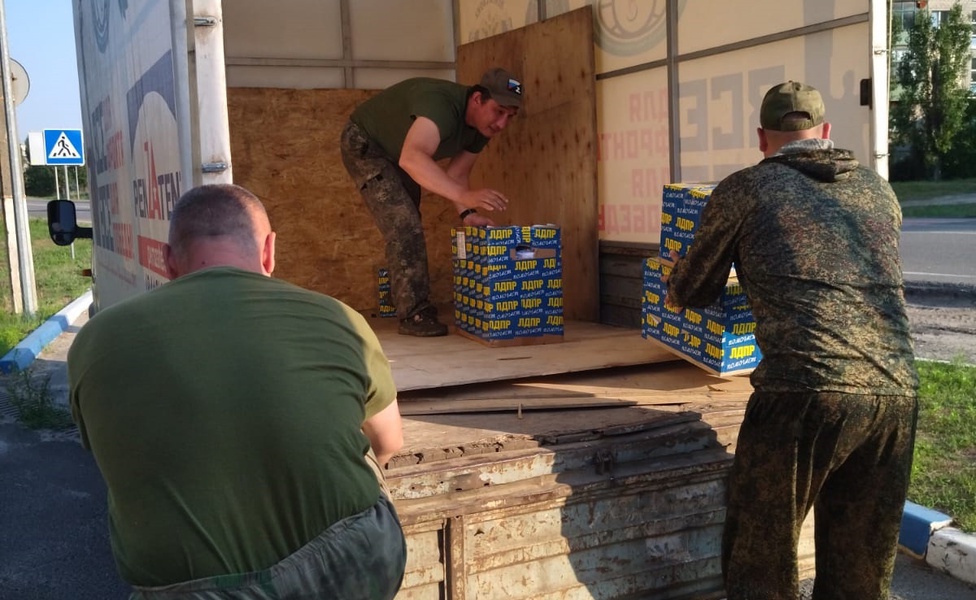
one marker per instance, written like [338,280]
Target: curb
[926,534]
[24,353]
[936,289]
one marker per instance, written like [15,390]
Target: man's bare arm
[416,158]
[385,432]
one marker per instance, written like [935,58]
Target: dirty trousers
[361,557]
[393,198]
[849,458]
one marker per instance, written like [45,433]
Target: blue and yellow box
[719,338]
[508,283]
[681,208]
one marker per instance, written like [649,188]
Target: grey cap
[504,87]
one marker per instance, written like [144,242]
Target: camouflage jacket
[814,239]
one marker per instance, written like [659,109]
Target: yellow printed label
[741,328]
[694,341]
[653,298]
[666,218]
[555,284]
[525,265]
[554,320]
[531,284]
[500,234]
[672,244]
[499,324]
[530,303]
[684,224]
[714,327]
[713,351]
[555,303]
[504,286]
[529,321]
[670,330]
[549,263]
[742,351]
[693,317]
[506,306]
[545,234]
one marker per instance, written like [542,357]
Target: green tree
[39,181]
[961,163]
[932,100]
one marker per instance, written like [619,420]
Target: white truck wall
[361,44]
[135,119]
[682,104]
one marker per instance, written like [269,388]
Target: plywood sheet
[545,162]
[428,363]
[285,144]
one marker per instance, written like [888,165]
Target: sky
[41,37]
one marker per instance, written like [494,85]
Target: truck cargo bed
[604,483]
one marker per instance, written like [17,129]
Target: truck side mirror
[62,223]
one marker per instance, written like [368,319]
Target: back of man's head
[218,225]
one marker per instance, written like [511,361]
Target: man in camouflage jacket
[831,424]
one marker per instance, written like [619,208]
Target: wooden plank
[685,400]
[545,162]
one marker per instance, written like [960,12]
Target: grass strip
[58,278]
[944,470]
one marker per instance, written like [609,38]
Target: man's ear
[268,254]
[172,265]
[763,142]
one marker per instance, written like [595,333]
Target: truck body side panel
[134,115]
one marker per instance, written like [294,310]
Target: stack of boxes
[508,284]
[720,338]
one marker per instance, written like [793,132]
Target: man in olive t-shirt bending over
[390,147]
[231,415]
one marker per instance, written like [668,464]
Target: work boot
[423,324]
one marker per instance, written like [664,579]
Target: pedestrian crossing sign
[64,147]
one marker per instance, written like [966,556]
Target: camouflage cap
[791,97]
[504,88]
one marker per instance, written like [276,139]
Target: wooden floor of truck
[428,363]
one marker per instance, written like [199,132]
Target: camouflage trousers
[849,458]
[393,198]
[361,557]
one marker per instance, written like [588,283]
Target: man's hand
[672,260]
[478,220]
[485,199]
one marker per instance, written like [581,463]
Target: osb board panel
[545,161]
[428,363]
[285,148]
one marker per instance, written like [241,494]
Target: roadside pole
[25,255]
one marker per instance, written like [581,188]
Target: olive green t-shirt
[224,410]
[387,116]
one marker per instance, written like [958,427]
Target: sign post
[25,258]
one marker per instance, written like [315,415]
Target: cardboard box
[720,338]
[681,208]
[508,284]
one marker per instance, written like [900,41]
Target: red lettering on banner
[151,256]
[122,232]
[630,218]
